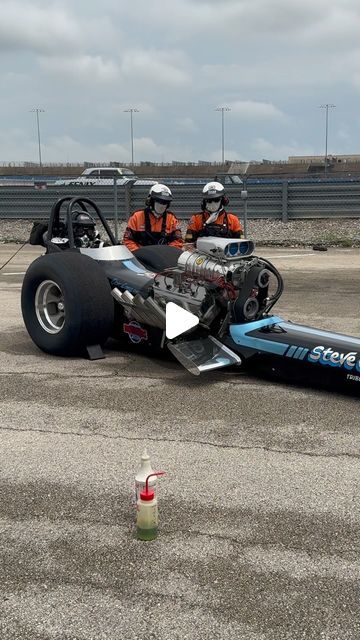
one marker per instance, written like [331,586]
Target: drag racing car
[209,305]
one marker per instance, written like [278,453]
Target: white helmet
[160,193]
[213,193]
[213,190]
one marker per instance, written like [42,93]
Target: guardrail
[284,200]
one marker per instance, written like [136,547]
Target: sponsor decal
[353,378]
[326,356]
[298,353]
[199,260]
[135,331]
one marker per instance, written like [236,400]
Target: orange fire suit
[143,229]
[227,225]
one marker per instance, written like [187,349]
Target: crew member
[154,224]
[213,219]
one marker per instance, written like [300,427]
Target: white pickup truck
[104,176]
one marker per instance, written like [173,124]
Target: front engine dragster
[86,289]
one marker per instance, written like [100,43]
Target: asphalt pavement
[259,511]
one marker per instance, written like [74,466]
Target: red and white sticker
[135,332]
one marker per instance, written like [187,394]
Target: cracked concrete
[259,512]
[207,443]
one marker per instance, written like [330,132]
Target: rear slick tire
[66,303]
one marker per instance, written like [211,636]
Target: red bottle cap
[147,495]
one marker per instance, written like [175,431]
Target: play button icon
[178,320]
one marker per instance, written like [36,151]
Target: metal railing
[284,200]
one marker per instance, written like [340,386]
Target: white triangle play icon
[178,320]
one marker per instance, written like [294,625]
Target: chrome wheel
[49,306]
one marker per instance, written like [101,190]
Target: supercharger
[219,272]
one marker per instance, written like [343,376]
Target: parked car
[103,176]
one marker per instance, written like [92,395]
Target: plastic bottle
[140,478]
[147,511]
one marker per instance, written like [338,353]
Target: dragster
[209,305]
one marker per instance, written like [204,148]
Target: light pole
[37,111]
[222,109]
[131,111]
[326,106]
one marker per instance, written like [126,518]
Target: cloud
[161,68]
[230,154]
[82,68]
[270,151]
[251,110]
[336,25]
[147,146]
[249,20]
[279,17]
[272,63]
[187,125]
[17,146]
[344,133]
[293,70]
[69,149]
[24,26]
[114,151]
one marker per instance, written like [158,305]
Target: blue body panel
[313,355]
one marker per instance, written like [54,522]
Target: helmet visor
[161,200]
[216,199]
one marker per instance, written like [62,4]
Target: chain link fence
[284,200]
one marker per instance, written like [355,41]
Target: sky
[271,62]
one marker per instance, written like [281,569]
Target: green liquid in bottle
[146,534]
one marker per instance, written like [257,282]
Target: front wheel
[66,303]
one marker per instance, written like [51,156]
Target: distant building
[320,159]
